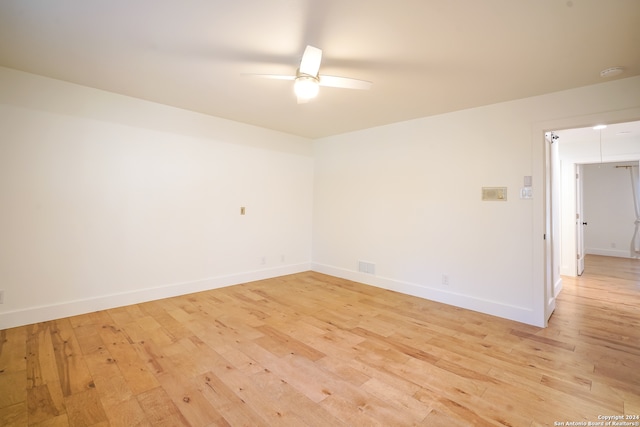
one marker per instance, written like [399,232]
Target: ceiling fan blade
[270,76]
[310,63]
[344,82]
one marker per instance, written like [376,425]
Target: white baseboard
[620,253]
[557,287]
[519,314]
[44,313]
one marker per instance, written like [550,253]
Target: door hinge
[544,237]
[577,256]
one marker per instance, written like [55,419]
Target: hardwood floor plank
[437,418]
[124,353]
[234,410]
[569,388]
[282,344]
[44,405]
[398,398]
[107,378]
[15,388]
[160,409]
[544,340]
[397,345]
[73,373]
[352,412]
[13,351]
[127,413]
[301,373]
[14,415]
[451,410]
[263,399]
[41,359]
[186,396]
[631,407]
[84,408]
[302,410]
[344,370]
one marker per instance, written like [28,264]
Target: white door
[580,222]
[552,195]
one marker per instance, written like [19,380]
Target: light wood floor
[314,350]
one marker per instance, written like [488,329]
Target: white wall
[109,200]
[406,197]
[608,210]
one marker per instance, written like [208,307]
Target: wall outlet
[2,296]
[445,280]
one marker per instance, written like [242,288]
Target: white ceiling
[613,131]
[424,57]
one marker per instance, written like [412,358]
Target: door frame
[580,222]
[543,296]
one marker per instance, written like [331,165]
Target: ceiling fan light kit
[306,87]
[307,81]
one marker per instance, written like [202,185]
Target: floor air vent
[366,267]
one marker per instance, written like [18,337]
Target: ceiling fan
[307,81]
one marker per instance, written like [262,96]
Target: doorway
[543,292]
[595,151]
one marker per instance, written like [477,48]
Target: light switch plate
[526,193]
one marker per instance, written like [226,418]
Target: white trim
[557,287]
[512,312]
[619,253]
[44,313]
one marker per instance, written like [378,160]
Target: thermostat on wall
[494,194]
